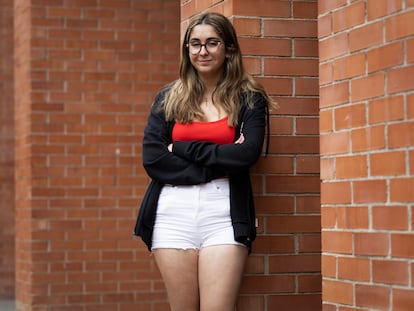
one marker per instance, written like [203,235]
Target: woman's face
[209,59]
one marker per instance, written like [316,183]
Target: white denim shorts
[193,217]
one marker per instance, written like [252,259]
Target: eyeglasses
[211,46]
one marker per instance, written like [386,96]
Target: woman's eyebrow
[210,38]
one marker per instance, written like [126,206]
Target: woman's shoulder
[253,98]
[160,96]
[163,91]
[167,90]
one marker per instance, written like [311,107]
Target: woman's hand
[240,140]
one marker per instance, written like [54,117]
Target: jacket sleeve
[231,157]
[164,166]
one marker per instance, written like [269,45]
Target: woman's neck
[208,92]
[210,85]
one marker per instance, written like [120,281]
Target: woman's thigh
[179,272]
[221,269]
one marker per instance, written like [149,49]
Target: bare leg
[179,272]
[220,273]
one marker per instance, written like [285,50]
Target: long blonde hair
[182,100]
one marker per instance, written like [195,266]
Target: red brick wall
[367,154]
[81,104]
[23,174]
[280,47]
[86,74]
[6,151]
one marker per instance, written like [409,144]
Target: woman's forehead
[203,31]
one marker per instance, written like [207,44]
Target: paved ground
[6,305]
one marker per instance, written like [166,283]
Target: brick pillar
[86,73]
[367,154]
[6,151]
[22,105]
[279,44]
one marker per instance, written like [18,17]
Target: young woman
[204,132]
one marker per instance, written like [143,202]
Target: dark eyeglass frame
[201,45]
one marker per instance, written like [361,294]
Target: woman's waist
[223,181]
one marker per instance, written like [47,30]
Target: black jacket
[197,162]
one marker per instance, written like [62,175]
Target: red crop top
[218,132]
